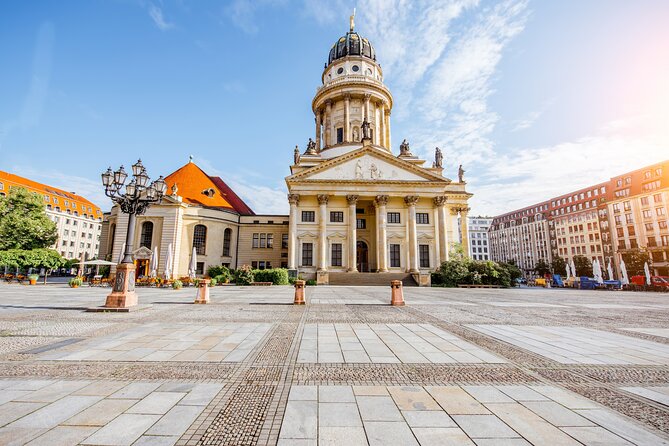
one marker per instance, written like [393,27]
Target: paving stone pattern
[453,367]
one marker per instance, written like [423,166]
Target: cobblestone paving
[571,381]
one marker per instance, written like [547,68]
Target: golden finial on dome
[352,18]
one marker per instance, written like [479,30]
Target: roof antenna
[190,158]
[352,19]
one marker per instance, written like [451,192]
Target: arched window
[200,238]
[147,234]
[227,236]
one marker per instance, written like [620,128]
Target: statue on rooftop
[438,158]
[296,155]
[461,174]
[404,149]
[311,147]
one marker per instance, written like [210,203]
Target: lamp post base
[123,294]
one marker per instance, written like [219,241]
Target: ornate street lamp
[138,196]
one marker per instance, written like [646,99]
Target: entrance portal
[362,256]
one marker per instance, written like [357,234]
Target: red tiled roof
[236,202]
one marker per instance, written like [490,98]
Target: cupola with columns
[352,92]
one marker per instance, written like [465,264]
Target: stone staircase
[370,279]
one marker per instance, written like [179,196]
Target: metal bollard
[202,296]
[396,293]
[299,292]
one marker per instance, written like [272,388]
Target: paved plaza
[452,367]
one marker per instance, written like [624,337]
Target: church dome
[351,45]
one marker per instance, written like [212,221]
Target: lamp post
[139,194]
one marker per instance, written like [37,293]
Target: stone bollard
[396,294]
[202,296]
[299,292]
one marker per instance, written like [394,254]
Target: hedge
[278,276]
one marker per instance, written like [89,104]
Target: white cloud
[242,13]
[525,176]
[156,14]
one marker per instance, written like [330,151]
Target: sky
[534,98]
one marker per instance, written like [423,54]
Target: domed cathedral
[355,206]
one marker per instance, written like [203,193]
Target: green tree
[23,221]
[634,261]
[559,265]
[542,267]
[583,266]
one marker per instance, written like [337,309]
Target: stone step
[370,279]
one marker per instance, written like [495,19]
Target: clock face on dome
[355,68]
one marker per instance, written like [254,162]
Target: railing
[353,78]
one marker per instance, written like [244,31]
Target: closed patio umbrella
[573,267]
[599,277]
[153,264]
[646,271]
[193,264]
[121,254]
[623,272]
[610,270]
[168,263]
[566,267]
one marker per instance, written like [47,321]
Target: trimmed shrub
[177,284]
[311,282]
[244,275]
[75,282]
[278,276]
[219,271]
[213,282]
[464,271]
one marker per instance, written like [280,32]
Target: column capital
[411,200]
[328,103]
[381,200]
[367,96]
[323,198]
[293,198]
[439,201]
[347,96]
[352,199]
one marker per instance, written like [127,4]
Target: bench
[480,286]
[261,283]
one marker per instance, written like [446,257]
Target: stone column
[322,233]
[464,230]
[382,240]
[352,233]
[366,107]
[293,199]
[318,130]
[387,127]
[328,123]
[411,201]
[347,117]
[439,203]
[382,124]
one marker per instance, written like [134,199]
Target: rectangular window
[393,217]
[336,254]
[394,256]
[361,223]
[284,241]
[422,218]
[199,268]
[340,135]
[263,240]
[256,240]
[644,201]
[424,255]
[254,264]
[308,216]
[659,211]
[270,240]
[336,217]
[657,198]
[307,254]
[646,213]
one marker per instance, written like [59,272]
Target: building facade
[479,246]
[204,214]
[78,221]
[605,221]
[355,206]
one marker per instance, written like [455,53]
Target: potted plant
[33,278]
[75,282]
[177,284]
